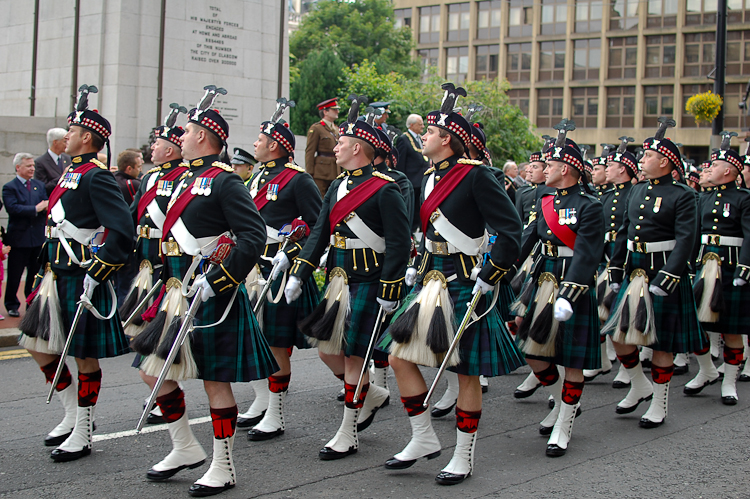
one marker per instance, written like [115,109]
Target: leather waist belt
[345,243]
[655,247]
[147,232]
[556,251]
[717,240]
[272,235]
[82,236]
[440,248]
[610,236]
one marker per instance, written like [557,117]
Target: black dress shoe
[681,369]
[729,400]
[158,476]
[695,391]
[551,403]
[555,451]
[439,413]
[620,384]
[648,424]
[547,430]
[205,491]
[154,419]
[13,313]
[588,379]
[628,410]
[259,436]
[522,394]
[55,441]
[328,454]
[341,396]
[61,456]
[445,478]
[395,464]
[249,422]
[744,378]
[485,388]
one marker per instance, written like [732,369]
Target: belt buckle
[440,248]
[172,248]
[339,241]
[145,232]
[612,235]
[640,247]
[714,239]
[48,231]
[551,249]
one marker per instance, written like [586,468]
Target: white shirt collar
[23,180]
[53,155]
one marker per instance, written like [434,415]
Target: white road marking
[148,429]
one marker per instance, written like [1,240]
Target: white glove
[481,287]
[201,286]
[563,310]
[281,264]
[411,276]
[739,282]
[293,289]
[615,287]
[656,290]
[88,286]
[388,306]
[323,260]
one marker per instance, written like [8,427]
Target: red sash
[354,200]
[441,191]
[58,191]
[563,232]
[150,194]
[173,213]
[281,179]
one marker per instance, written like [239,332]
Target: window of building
[549,107]
[488,20]
[585,104]
[660,56]
[620,107]
[485,67]
[662,14]
[737,10]
[520,97]
[700,52]
[623,14]
[701,12]
[402,18]
[458,22]
[429,24]
[520,17]
[623,57]
[456,64]
[552,60]
[658,100]
[519,62]
[586,59]
[588,16]
[738,53]
[554,17]
[429,58]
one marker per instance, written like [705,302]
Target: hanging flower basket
[704,107]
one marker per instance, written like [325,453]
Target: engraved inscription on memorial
[215,40]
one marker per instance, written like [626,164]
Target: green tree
[356,30]
[321,75]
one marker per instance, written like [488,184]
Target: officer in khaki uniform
[322,137]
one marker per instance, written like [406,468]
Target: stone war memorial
[142,56]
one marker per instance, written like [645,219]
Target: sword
[65,350]
[379,321]
[264,292]
[142,304]
[464,324]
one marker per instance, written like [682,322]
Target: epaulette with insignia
[185,164]
[429,170]
[99,164]
[341,175]
[154,169]
[223,166]
[292,166]
[383,176]
[474,162]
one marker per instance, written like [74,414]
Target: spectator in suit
[129,165]
[25,201]
[411,161]
[50,165]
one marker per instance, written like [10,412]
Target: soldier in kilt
[723,270]
[363,218]
[460,198]
[85,203]
[655,306]
[226,344]
[621,169]
[557,310]
[283,193]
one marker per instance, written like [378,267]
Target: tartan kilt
[233,351]
[280,319]
[734,318]
[148,249]
[675,315]
[580,334]
[364,309]
[505,297]
[485,347]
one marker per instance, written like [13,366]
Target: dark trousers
[18,260]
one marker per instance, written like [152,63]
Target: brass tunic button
[716,203]
[549,232]
[613,208]
[640,217]
[636,238]
[612,224]
[637,227]
[648,198]
[190,174]
[557,201]
[642,206]
[614,201]
[713,211]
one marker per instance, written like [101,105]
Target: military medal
[563,217]
[164,187]
[726,210]
[657,205]
[572,219]
[207,188]
[272,192]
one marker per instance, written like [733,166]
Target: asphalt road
[701,451]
